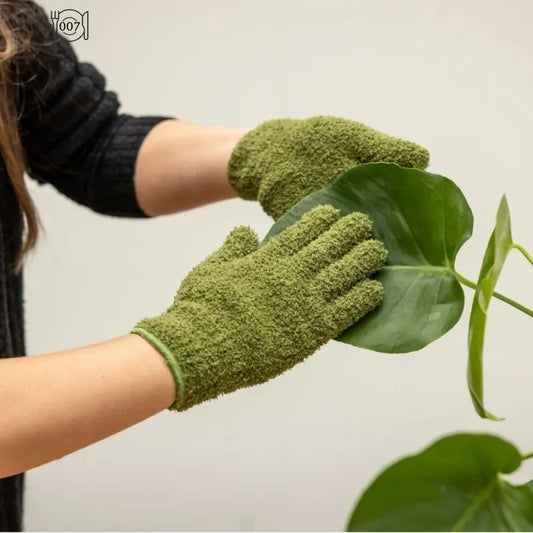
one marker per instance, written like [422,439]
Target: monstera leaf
[454,485]
[423,219]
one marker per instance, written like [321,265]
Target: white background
[295,453]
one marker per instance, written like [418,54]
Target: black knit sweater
[75,139]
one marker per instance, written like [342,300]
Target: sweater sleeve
[71,130]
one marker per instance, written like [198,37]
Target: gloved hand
[247,314]
[283,160]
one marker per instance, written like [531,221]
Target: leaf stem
[498,295]
[527,456]
[523,251]
[464,281]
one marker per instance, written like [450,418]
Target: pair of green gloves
[246,314]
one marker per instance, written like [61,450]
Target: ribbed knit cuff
[112,191]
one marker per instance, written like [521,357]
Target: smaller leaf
[499,245]
[453,485]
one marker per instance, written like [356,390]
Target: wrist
[147,356]
[166,354]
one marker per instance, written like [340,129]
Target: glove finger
[334,243]
[347,309]
[293,180]
[372,145]
[240,242]
[312,224]
[360,263]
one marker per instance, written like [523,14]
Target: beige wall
[295,453]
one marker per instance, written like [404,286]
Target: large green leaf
[423,219]
[499,245]
[454,485]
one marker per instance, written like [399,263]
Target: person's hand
[283,160]
[247,314]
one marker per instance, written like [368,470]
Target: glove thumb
[241,241]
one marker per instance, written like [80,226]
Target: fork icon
[54,15]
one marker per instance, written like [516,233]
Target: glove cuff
[240,176]
[170,360]
[183,336]
[253,155]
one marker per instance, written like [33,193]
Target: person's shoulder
[46,59]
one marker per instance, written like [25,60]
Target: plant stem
[527,456]
[464,280]
[501,297]
[523,251]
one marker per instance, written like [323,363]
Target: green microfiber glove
[283,160]
[247,314]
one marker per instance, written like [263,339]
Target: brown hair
[15,48]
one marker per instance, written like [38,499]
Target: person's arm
[182,165]
[77,397]
[226,329]
[75,138]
